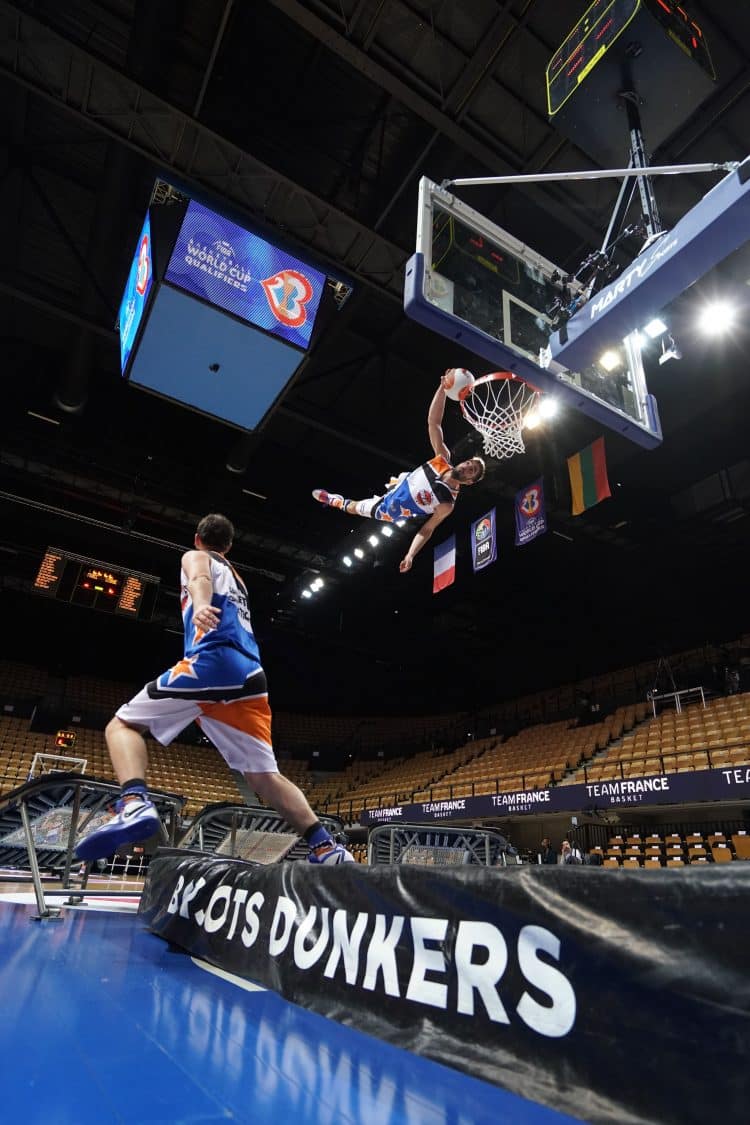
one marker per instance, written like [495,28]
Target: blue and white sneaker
[330,853]
[135,819]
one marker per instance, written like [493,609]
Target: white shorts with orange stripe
[214,690]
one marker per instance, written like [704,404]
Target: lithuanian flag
[588,476]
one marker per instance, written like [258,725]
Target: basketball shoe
[330,499]
[135,818]
[330,853]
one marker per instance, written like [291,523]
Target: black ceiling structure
[313,121]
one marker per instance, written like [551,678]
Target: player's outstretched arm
[435,423]
[424,533]
[197,569]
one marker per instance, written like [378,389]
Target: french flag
[444,571]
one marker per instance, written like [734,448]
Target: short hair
[482,466]
[216,531]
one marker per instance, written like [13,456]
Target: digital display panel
[602,23]
[246,276]
[136,294]
[80,581]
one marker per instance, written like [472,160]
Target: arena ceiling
[315,121]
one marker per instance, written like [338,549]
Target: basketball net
[498,406]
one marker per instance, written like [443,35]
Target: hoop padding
[498,406]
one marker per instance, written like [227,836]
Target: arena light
[654,328]
[548,407]
[609,360]
[372,540]
[307,593]
[359,553]
[386,532]
[400,523]
[318,584]
[716,318]
[347,560]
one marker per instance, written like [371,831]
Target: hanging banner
[531,514]
[444,565]
[483,541]
[543,980]
[587,470]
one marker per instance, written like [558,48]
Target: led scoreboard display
[96,585]
[603,24]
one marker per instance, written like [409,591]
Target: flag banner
[483,541]
[541,980]
[444,570]
[531,515]
[588,477]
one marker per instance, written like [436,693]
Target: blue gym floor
[103,1022]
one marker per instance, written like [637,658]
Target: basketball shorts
[224,693]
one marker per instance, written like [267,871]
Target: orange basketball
[457,383]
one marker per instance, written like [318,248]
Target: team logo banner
[731,784]
[483,541]
[531,516]
[537,979]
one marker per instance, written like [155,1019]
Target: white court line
[239,981]
[121,905]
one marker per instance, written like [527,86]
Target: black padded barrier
[614,996]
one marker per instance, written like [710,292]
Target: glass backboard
[477,285]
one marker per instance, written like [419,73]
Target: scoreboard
[601,27]
[96,585]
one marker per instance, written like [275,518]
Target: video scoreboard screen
[96,585]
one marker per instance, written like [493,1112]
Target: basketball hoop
[498,406]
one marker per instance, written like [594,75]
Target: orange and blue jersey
[235,630]
[417,494]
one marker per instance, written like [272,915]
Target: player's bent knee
[264,782]
[115,725]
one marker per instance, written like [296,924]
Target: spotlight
[655,327]
[307,593]
[716,318]
[610,360]
[386,532]
[548,407]
[347,560]
[372,540]
[359,553]
[317,584]
[531,421]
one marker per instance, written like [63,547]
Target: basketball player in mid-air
[429,490]
[221,685]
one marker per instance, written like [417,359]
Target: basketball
[457,383]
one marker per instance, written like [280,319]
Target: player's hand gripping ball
[457,383]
